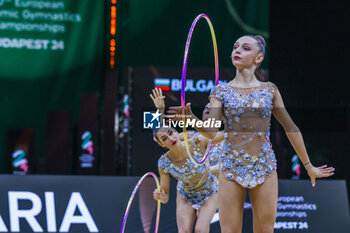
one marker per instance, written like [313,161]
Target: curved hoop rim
[132,197]
[183,83]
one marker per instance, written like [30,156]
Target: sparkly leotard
[214,155]
[215,150]
[247,155]
[195,183]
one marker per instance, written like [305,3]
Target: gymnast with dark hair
[197,187]
[248,162]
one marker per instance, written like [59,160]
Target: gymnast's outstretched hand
[318,172]
[176,112]
[158,99]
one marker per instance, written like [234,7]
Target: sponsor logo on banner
[20,162]
[75,205]
[86,159]
[174,84]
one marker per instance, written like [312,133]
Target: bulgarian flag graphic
[162,83]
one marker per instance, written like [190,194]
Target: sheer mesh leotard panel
[247,155]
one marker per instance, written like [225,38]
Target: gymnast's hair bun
[261,40]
